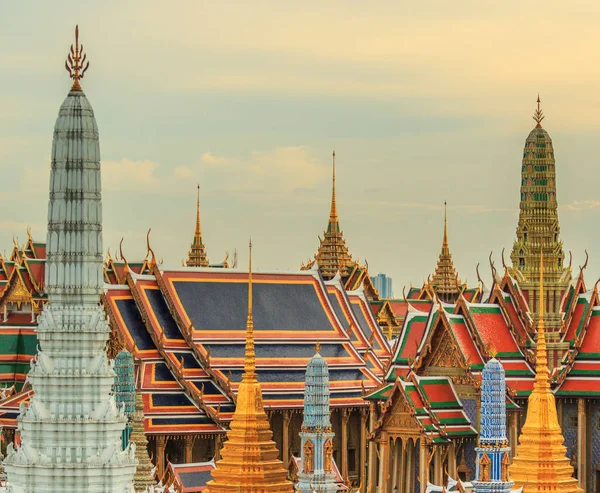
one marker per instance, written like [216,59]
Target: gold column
[344,416]
[452,460]
[581,444]
[384,468]
[287,417]
[161,443]
[513,432]
[437,465]
[400,477]
[363,450]
[423,465]
[188,441]
[371,469]
[409,481]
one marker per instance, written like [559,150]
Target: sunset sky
[422,102]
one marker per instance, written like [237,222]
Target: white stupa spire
[71,431]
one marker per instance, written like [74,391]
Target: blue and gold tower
[316,468]
[493,452]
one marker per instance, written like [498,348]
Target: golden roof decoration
[197,254]
[538,115]
[76,63]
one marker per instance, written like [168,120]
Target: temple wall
[569,426]
[471,410]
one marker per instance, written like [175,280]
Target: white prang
[71,431]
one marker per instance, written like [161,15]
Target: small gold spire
[538,116]
[198,212]
[250,358]
[76,62]
[445,240]
[542,381]
[333,214]
[318,347]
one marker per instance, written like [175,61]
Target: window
[572,421]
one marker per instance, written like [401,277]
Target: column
[161,443]
[395,456]
[384,460]
[188,441]
[423,465]
[344,416]
[437,466]
[362,480]
[371,469]
[452,460]
[287,416]
[581,444]
[401,476]
[409,478]
[513,432]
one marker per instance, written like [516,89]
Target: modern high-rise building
[383,285]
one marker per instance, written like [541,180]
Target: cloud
[129,175]
[182,172]
[208,158]
[582,205]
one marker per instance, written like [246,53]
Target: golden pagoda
[143,480]
[197,253]
[333,256]
[445,280]
[541,464]
[249,462]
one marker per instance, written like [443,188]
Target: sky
[422,101]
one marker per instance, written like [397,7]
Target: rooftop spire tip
[76,63]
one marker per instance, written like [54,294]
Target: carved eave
[398,417]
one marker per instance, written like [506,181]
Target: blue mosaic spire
[316,467]
[125,389]
[493,452]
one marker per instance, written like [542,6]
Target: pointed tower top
[250,357]
[538,115]
[333,255]
[333,214]
[445,280]
[76,62]
[197,254]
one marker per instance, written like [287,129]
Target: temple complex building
[70,433]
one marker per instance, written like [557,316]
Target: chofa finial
[76,62]
[538,116]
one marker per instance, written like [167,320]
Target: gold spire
[142,480]
[333,214]
[197,254]
[76,62]
[333,255]
[541,464]
[250,356]
[249,462]
[445,280]
[538,115]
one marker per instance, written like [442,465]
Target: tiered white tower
[71,431]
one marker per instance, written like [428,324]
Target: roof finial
[538,116]
[198,212]
[445,242]
[541,364]
[76,62]
[333,213]
[318,347]
[250,359]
